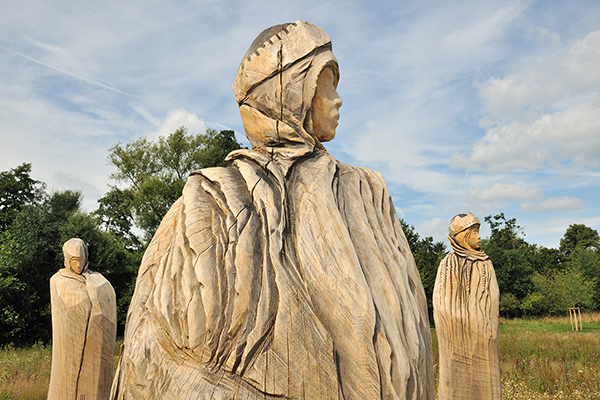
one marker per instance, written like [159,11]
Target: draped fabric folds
[285,275]
[84,326]
[465,303]
[255,286]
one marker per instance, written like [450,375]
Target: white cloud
[570,135]
[554,204]
[548,113]
[504,192]
[546,34]
[436,227]
[567,77]
[174,120]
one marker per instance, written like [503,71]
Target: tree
[427,255]
[505,232]
[17,190]
[545,260]
[154,175]
[511,257]
[587,262]
[554,294]
[30,253]
[579,236]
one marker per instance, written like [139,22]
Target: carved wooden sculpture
[286,275]
[465,303]
[84,317]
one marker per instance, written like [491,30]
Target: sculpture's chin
[326,136]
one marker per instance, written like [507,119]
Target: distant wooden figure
[83,329]
[465,302]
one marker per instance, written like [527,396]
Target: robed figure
[287,274]
[465,310]
[84,316]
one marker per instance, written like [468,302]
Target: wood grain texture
[83,336]
[465,301]
[285,275]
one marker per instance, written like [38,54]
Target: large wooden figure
[286,275]
[465,310]
[83,329]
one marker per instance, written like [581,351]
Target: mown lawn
[540,359]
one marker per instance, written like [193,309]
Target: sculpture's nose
[337,102]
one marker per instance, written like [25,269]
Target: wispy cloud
[554,204]
[549,113]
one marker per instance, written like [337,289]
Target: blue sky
[481,106]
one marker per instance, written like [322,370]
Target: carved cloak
[465,302]
[83,336]
[229,290]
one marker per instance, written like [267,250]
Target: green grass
[545,359]
[25,373]
[540,359]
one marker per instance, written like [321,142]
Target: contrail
[463,181]
[67,72]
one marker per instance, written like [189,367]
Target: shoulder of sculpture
[211,173]
[94,274]
[96,279]
[66,274]
[449,257]
[371,173]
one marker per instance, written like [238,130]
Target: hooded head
[76,256]
[463,234]
[276,84]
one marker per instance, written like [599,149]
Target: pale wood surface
[286,275]
[465,301]
[83,336]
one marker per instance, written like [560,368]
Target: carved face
[325,107]
[77,264]
[474,240]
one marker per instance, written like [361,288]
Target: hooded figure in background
[286,274]
[465,309]
[84,316]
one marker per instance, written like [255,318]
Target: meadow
[540,359]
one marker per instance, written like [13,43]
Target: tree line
[533,280]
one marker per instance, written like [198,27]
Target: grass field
[540,359]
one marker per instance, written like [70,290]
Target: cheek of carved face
[77,264]
[325,107]
[474,239]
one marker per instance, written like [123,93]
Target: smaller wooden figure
[83,329]
[465,310]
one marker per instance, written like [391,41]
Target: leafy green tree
[154,175]
[545,260]
[17,190]
[555,293]
[509,305]
[505,232]
[427,255]
[511,256]
[29,255]
[579,236]
[115,216]
[587,262]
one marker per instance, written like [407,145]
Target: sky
[481,106]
